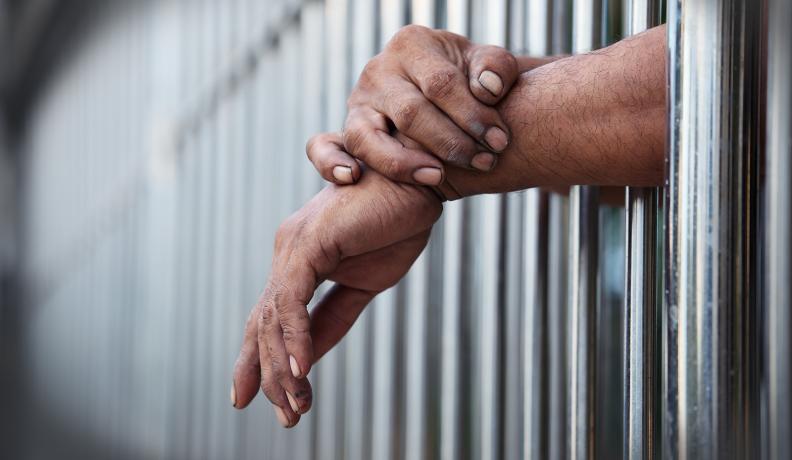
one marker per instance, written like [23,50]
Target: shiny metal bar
[386,419]
[711,389]
[583,253]
[493,219]
[451,342]
[557,325]
[535,375]
[330,394]
[779,251]
[583,242]
[641,313]
[416,399]
[357,435]
[535,277]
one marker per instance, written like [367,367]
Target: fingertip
[492,82]
[343,175]
[284,418]
[295,367]
[497,139]
[428,176]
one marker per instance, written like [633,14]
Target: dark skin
[594,119]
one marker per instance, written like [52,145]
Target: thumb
[492,71]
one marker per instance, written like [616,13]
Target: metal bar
[714,123]
[779,251]
[385,424]
[416,429]
[491,209]
[535,278]
[641,314]
[535,378]
[583,253]
[453,237]
[357,435]
[330,395]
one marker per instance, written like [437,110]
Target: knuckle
[511,63]
[405,36]
[312,144]
[406,114]
[440,84]
[393,168]
[456,150]
[268,315]
[281,372]
[270,389]
[354,137]
[372,69]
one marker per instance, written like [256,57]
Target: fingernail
[492,82]
[496,139]
[293,403]
[281,417]
[233,394]
[483,161]
[295,368]
[343,174]
[428,176]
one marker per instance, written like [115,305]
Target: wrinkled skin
[364,238]
[427,84]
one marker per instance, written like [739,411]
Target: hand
[363,238]
[436,88]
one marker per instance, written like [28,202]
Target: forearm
[591,119]
[528,63]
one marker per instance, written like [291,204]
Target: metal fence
[162,156]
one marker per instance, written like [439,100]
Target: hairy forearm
[591,119]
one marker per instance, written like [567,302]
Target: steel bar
[779,250]
[583,253]
[641,314]
[451,347]
[711,387]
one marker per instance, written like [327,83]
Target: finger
[269,383]
[326,152]
[299,394]
[448,88]
[335,314]
[290,289]
[247,370]
[367,137]
[492,71]
[417,118]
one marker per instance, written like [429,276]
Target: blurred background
[148,151]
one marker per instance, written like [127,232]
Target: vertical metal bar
[583,248]
[641,314]
[330,394]
[453,237]
[490,245]
[358,387]
[583,243]
[560,33]
[779,251]
[535,373]
[416,434]
[711,391]
[385,420]
[534,255]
